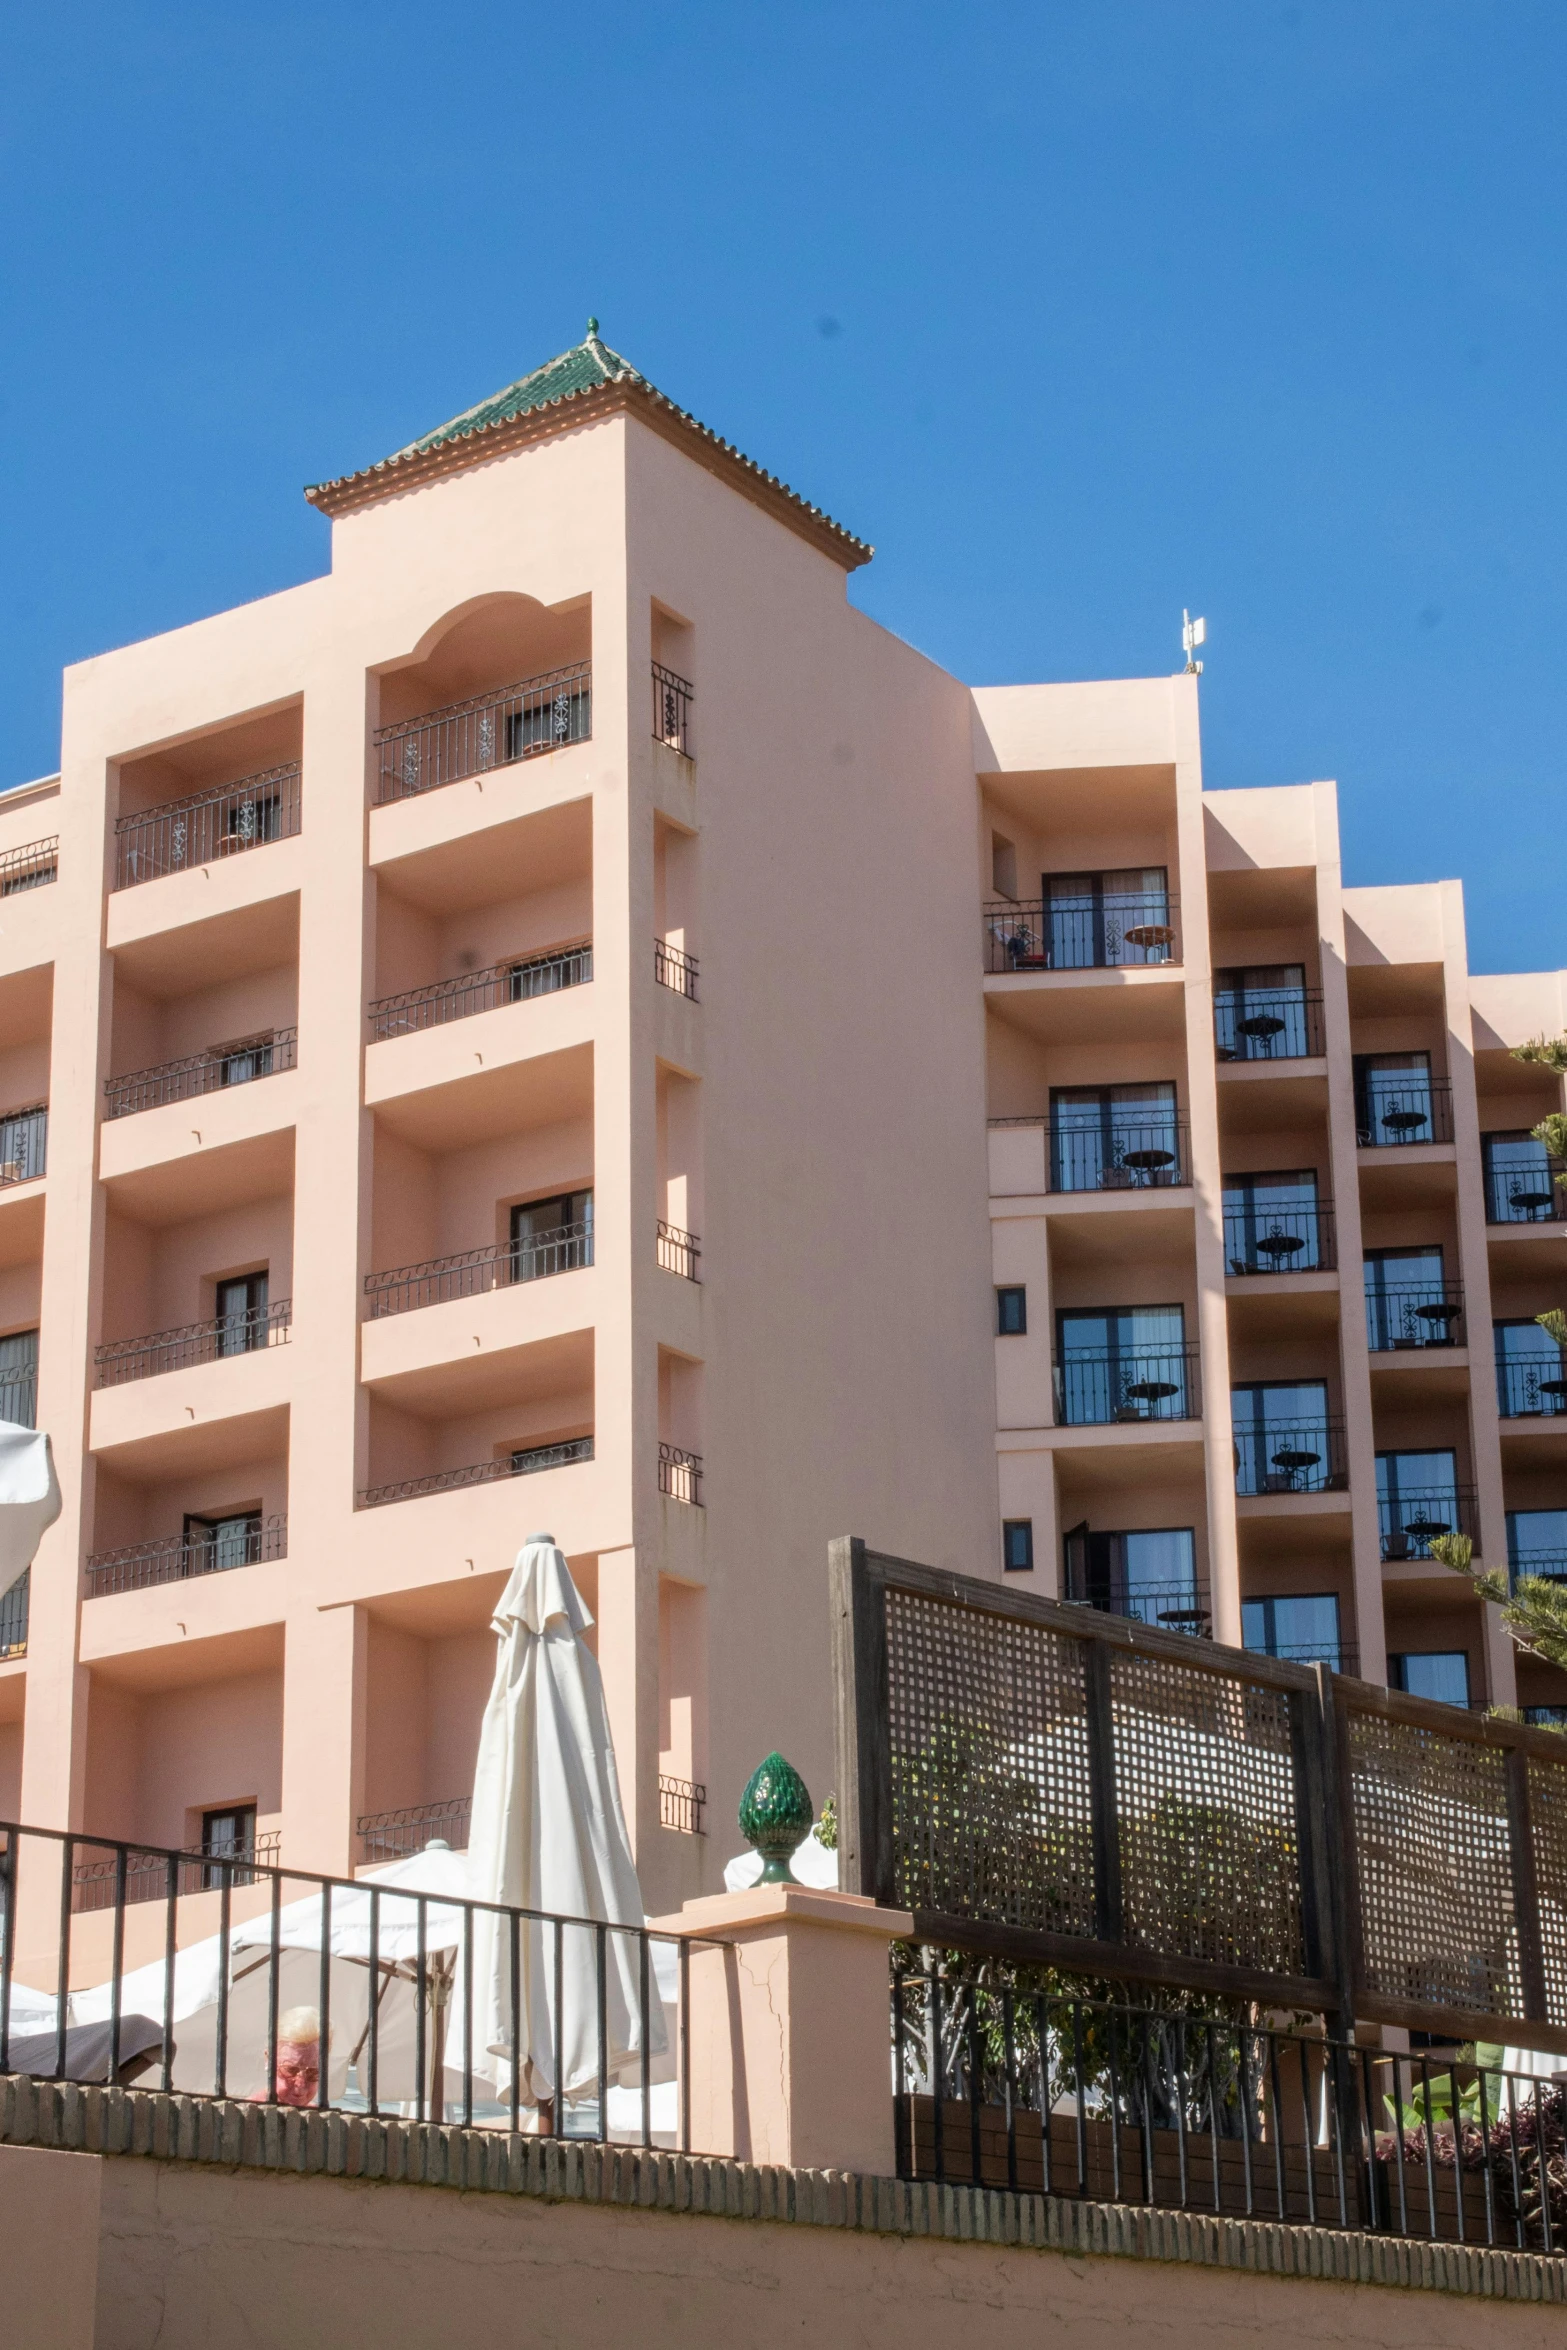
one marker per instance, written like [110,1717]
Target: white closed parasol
[574,2007]
[29,1502]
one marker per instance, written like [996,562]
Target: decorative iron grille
[30,867]
[24,1144]
[1120,928]
[1421,1111]
[681,1803]
[674,968]
[678,1252]
[393,1835]
[14,1608]
[212,1341]
[520,721]
[95,1883]
[526,1461]
[175,1556]
[220,1066]
[672,699]
[565,1248]
[480,991]
[680,1474]
[1268,1024]
[206,825]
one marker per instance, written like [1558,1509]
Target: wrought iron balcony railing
[1268,1024]
[1147,1156]
[1528,1190]
[1279,1240]
[207,825]
[1134,928]
[678,1252]
[527,1461]
[220,1066]
[14,1609]
[24,1145]
[1306,1456]
[1548,1565]
[1531,1390]
[19,1397]
[565,1248]
[480,991]
[1342,1655]
[1399,1115]
[513,722]
[393,1835]
[674,968]
[680,1473]
[672,699]
[174,1557]
[1408,1522]
[30,867]
[1168,1607]
[153,1876]
[1127,1383]
[681,1803]
[212,1341]
[1414,1313]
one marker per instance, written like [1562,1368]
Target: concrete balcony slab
[217,1150]
[1098,1006]
[205,893]
[513,1345]
[405,832]
[521,1065]
[209,1415]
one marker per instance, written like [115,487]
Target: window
[1393,1098]
[1113,1137]
[1011,1312]
[1093,919]
[1408,1301]
[228,1835]
[1537,1542]
[242,1313]
[252,820]
[1017,1546]
[1417,1496]
[1259,1014]
[1003,866]
[1128,1363]
[1283,1438]
[1531,1378]
[1302,1625]
[19,1379]
[1271,1223]
[551,1235]
[1439,1673]
[23,1136]
[1149,1574]
[212,1545]
[1519,1180]
[239,1063]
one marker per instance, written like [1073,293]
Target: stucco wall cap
[773,1905]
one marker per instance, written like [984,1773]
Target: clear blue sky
[1079,312]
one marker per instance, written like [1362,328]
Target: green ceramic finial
[593,327]
[776,1813]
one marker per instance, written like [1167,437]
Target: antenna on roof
[1193,634]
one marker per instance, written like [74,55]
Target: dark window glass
[228,1835]
[1011,1312]
[1531,1378]
[551,1235]
[1417,1496]
[1271,1223]
[19,1378]
[1128,1363]
[1439,1673]
[1259,1014]
[1148,1573]
[1107,918]
[1537,1542]
[1113,1137]
[1017,1537]
[1393,1097]
[1519,1184]
[1408,1302]
[1281,1434]
[242,1313]
[1302,1625]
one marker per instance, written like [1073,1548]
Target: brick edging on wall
[72,2119]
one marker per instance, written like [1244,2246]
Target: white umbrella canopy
[29,1497]
[548,1833]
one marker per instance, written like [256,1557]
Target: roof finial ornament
[593,328]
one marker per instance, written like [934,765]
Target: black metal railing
[1279,1240]
[1408,1522]
[1545,1717]
[1341,1656]
[24,1145]
[97,1884]
[1532,1193]
[393,1835]
[1133,928]
[678,1252]
[1268,1024]
[1129,1383]
[595,2008]
[1531,1390]
[1392,1115]
[19,1397]
[212,1341]
[207,825]
[674,968]
[999,2084]
[1414,1313]
[1169,1607]
[31,867]
[681,1803]
[526,1461]
[680,1473]
[473,1272]
[174,1557]
[220,1066]
[15,1605]
[1127,1157]
[672,699]
[481,991]
[1306,1456]
[1548,1565]
[513,722]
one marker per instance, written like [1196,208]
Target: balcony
[1131,1383]
[30,867]
[394,1835]
[672,699]
[1523,1183]
[214,1340]
[681,1803]
[563,1248]
[245,1540]
[1168,1607]
[1531,1389]
[678,1252]
[486,731]
[1118,1155]
[1268,1024]
[1549,1566]
[480,991]
[1101,930]
[152,1876]
[1407,1522]
[24,1145]
[675,969]
[1392,1116]
[680,1474]
[1279,1240]
[207,825]
[14,1607]
[212,1071]
[1291,1457]
[1415,1312]
[526,1461]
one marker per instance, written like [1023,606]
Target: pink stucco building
[564,1023]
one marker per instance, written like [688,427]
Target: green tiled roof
[583,374]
